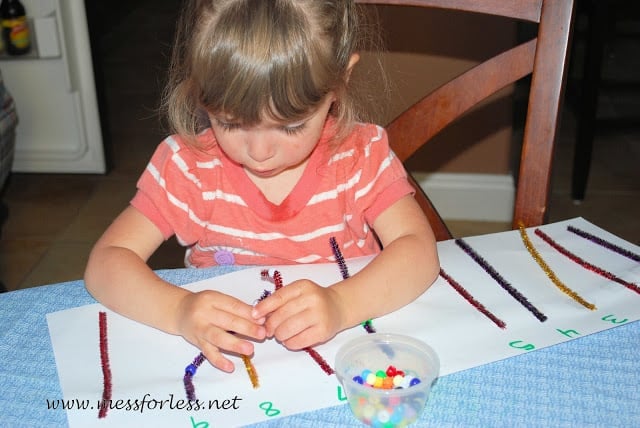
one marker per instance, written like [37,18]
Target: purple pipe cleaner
[500,280]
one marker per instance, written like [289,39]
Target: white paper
[148,365]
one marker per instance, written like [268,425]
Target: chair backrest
[544,58]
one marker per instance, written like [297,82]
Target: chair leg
[587,114]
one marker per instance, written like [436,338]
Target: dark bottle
[15,31]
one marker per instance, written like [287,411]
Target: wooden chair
[543,58]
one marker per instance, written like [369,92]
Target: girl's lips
[263,174]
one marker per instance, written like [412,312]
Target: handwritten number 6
[267,406]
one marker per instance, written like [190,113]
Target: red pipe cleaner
[277,279]
[321,361]
[104,362]
[272,275]
[585,264]
[469,298]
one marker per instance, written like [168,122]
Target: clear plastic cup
[379,406]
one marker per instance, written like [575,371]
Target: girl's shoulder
[203,148]
[366,130]
[177,156]
[365,147]
[363,134]
[366,138]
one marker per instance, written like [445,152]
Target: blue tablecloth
[591,381]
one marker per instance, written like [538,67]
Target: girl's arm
[118,276]
[303,313]
[406,267]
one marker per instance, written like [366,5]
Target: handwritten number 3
[267,406]
[613,320]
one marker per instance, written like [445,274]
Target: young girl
[266,164]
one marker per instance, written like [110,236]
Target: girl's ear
[352,62]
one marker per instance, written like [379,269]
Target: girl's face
[270,147]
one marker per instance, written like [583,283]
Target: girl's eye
[227,126]
[294,129]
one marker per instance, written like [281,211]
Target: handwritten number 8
[267,406]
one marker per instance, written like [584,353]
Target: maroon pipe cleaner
[106,369]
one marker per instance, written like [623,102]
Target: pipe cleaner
[368,324]
[190,370]
[550,273]
[251,371]
[613,247]
[318,359]
[500,280]
[189,373]
[469,298]
[106,369]
[593,268]
[276,277]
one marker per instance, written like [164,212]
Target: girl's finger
[228,342]
[215,357]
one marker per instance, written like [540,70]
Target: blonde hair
[251,58]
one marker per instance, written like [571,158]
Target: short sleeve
[384,178]
[166,190]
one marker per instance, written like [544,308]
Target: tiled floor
[55,219]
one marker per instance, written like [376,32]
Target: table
[591,381]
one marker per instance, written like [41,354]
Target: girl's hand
[212,321]
[301,314]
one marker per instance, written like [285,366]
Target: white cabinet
[54,90]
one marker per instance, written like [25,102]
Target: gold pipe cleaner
[547,270]
[251,371]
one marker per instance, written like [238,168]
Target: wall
[59,129]
[426,48]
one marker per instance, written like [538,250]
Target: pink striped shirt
[216,211]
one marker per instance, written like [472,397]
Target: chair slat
[434,112]
[544,58]
[543,115]
[527,10]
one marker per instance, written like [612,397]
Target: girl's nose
[259,147]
